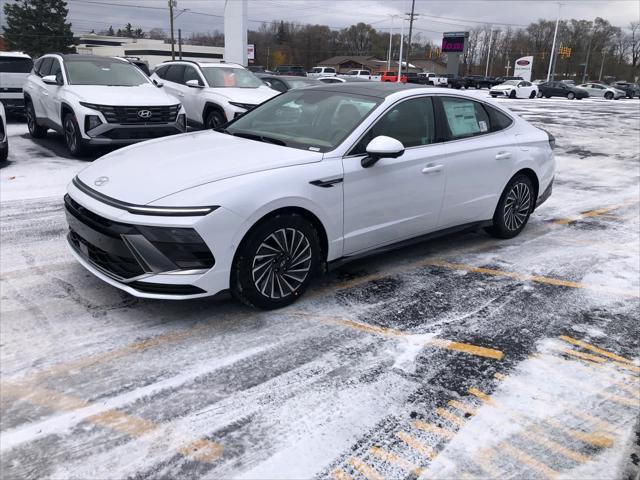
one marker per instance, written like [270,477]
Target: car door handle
[431,168]
[503,155]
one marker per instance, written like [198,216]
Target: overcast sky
[435,16]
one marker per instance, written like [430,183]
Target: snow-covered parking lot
[463,357]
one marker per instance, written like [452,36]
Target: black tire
[608,95]
[4,153]
[478,86]
[266,251]
[533,94]
[72,136]
[512,94]
[35,130]
[540,95]
[514,208]
[571,96]
[547,96]
[215,118]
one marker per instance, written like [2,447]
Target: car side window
[161,71]
[411,122]
[190,73]
[56,69]
[45,67]
[465,118]
[175,73]
[499,121]
[36,65]
[277,85]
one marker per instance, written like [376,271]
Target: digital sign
[453,44]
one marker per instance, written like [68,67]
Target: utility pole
[390,43]
[553,47]
[268,55]
[180,43]
[411,18]
[601,66]
[486,71]
[172,3]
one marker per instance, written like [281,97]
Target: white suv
[322,72]
[14,70]
[97,101]
[212,93]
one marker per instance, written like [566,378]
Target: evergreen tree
[110,32]
[37,26]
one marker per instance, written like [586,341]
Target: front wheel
[72,136]
[35,130]
[512,94]
[608,95]
[539,95]
[275,262]
[214,119]
[533,94]
[514,208]
[571,96]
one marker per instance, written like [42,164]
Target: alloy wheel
[30,119]
[517,206]
[70,134]
[282,263]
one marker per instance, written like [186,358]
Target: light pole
[553,47]
[390,42]
[486,71]
[172,3]
[400,57]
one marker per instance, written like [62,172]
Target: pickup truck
[364,74]
[389,76]
[432,79]
[478,81]
[322,72]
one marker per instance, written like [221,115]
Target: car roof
[14,54]
[202,64]
[84,58]
[372,89]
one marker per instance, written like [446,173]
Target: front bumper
[118,134]
[499,93]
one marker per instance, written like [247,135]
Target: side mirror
[194,83]
[157,83]
[382,147]
[267,83]
[50,80]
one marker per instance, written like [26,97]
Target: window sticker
[483,126]
[462,118]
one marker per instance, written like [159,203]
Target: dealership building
[151,51]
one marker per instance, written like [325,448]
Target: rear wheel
[514,208]
[35,130]
[275,262]
[571,95]
[512,94]
[533,94]
[539,95]
[608,95]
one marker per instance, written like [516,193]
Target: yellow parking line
[201,450]
[484,461]
[338,474]
[467,348]
[453,418]
[598,422]
[499,376]
[599,360]
[596,439]
[595,213]
[364,469]
[416,445]
[553,446]
[394,459]
[481,395]
[427,427]
[528,460]
[534,278]
[463,407]
[593,348]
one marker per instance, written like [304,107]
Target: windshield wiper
[260,138]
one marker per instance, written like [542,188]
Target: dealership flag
[523,68]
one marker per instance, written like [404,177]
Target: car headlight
[91,122]
[92,106]
[246,106]
[183,246]
[182,121]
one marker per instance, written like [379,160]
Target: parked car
[141,64]
[95,100]
[390,76]
[631,89]
[478,81]
[433,79]
[561,89]
[364,74]
[297,70]
[14,70]
[212,93]
[501,80]
[600,90]
[412,77]
[342,79]
[4,137]
[314,177]
[455,81]
[322,72]
[257,69]
[514,89]
[283,83]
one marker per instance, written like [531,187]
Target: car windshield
[511,82]
[316,120]
[228,77]
[109,72]
[15,65]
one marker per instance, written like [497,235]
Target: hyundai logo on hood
[100,181]
[144,113]
[523,62]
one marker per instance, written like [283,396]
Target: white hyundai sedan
[307,180]
[514,89]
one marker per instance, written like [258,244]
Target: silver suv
[14,70]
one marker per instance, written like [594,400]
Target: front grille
[138,133]
[98,239]
[132,115]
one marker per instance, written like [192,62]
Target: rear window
[15,65]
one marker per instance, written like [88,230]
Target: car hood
[148,171]
[253,96]
[503,87]
[147,95]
